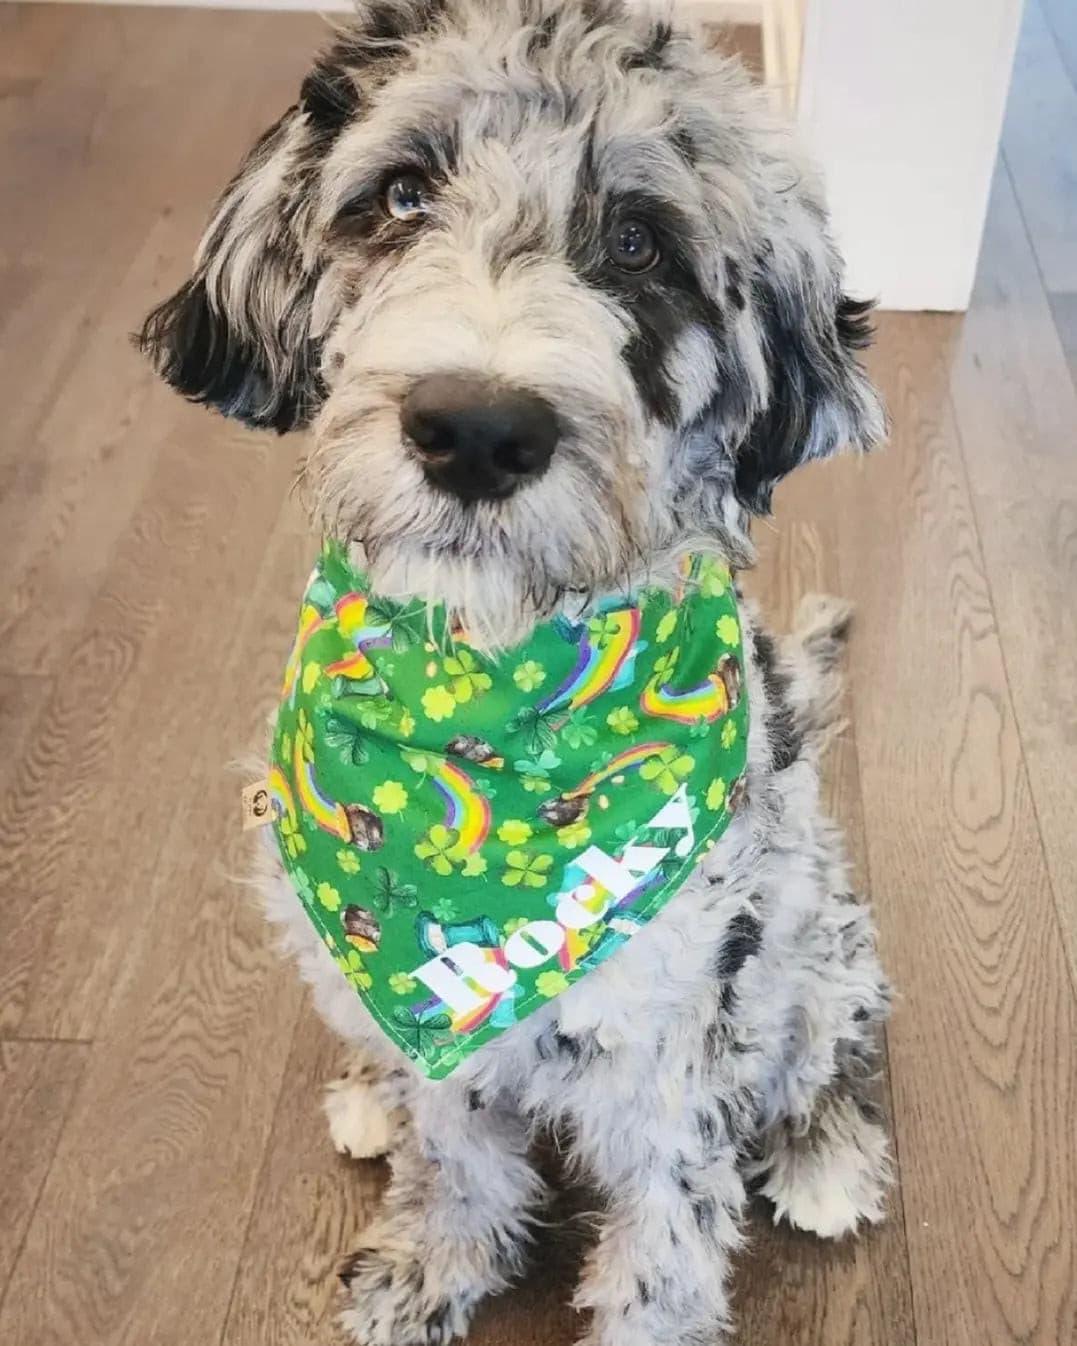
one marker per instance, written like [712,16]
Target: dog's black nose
[477,440]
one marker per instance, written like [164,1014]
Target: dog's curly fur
[730,1041]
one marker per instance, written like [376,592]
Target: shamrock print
[390,797]
[425,1031]
[713,577]
[405,623]
[311,673]
[535,775]
[305,735]
[667,769]
[328,896]
[514,832]
[389,892]
[474,866]
[529,675]
[303,885]
[715,796]
[530,871]
[438,849]
[438,703]
[727,629]
[351,964]
[401,984]
[374,711]
[575,836]
[407,724]
[295,843]
[347,738]
[666,626]
[535,728]
[466,678]
[445,910]
[602,630]
[729,734]
[578,731]
[348,860]
[550,984]
[622,721]
[513,924]
[422,762]
[665,664]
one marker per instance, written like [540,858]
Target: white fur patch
[358,1123]
[836,1176]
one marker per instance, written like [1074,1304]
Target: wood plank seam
[68,1042]
[897,1200]
[226,1316]
[53,1149]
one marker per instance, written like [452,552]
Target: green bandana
[471,834]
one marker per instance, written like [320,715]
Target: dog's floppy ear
[819,398]
[238,335]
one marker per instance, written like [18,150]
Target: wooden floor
[165,1175]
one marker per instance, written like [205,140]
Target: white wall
[901,101]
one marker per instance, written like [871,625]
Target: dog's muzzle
[478,440]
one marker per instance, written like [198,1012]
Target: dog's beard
[580,530]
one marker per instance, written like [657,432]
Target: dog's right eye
[407,197]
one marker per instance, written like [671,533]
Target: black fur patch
[785,741]
[329,95]
[855,328]
[733,283]
[567,1046]
[811,364]
[196,351]
[742,941]
[391,23]
[665,302]
[652,56]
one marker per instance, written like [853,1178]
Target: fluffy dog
[583,219]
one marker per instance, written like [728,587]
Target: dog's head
[550,286]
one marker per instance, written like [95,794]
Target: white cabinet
[901,102]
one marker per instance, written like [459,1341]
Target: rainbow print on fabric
[600,667]
[631,757]
[706,702]
[349,615]
[352,623]
[280,795]
[310,622]
[327,813]
[467,811]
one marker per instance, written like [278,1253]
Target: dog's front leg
[454,1224]
[657,1275]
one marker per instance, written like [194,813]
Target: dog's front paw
[359,1126]
[392,1303]
[835,1177]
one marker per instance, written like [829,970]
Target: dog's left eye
[632,246]
[407,197]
